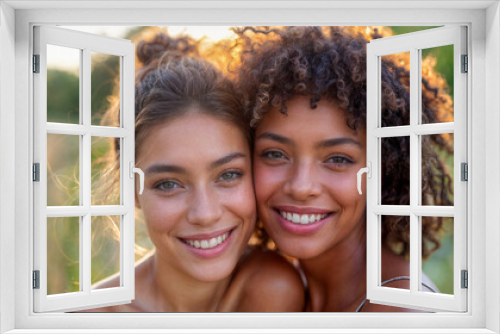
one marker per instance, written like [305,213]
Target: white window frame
[85,43]
[17,20]
[414,43]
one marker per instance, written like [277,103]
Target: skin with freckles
[305,164]
[199,208]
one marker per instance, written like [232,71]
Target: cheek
[267,181]
[241,202]
[343,187]
[160,216]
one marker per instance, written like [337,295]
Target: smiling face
[198,200]
[305,168]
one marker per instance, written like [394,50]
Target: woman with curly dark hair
[193,143]
[305,91]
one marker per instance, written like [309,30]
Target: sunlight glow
[63,60]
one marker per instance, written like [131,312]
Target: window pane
[395,170]
[63,84]
[63,170]
[395,241]
[105,89]
[105,172]
[437,169]
[63,255]
[105,247]
[437,253]
[395,98]
[437,84]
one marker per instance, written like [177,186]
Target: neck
[175,291]
[337,277]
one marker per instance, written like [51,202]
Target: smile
[207,243]
[303,219]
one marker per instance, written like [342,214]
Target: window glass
[63,84]
[63,255]
[105,89]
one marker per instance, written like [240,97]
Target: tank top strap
[398,278]
[303,278]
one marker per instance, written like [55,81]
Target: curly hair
[278,63]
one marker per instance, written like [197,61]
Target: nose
[303,184]
[205,208]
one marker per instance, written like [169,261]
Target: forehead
[327,119]
[192,136]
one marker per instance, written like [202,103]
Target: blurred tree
[63,89]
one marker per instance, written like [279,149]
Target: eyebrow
[162,168]
[323,144]
[337,141]
[226,159]
[275,137]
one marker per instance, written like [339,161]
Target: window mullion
[414,170]
[85,179]
[421,211]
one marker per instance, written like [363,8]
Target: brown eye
[338,161]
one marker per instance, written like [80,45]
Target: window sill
[257,331]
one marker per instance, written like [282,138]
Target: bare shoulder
[141,274]
[269,283]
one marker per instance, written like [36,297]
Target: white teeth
[302,219]
[213,242]
[208,243]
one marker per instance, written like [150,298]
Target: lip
[302,210]
[209,252]
[300,229]
[201,236]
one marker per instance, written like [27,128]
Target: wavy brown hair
[172,79]
[278,63]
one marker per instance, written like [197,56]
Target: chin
[302,250]
[214,272]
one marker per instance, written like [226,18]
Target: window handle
[139,171]
[368,171]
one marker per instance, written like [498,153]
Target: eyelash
[159,186]
[336,165]
[235,175]
[267,155]
[345,161]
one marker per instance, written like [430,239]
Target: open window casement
[75,137]
[417,296]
